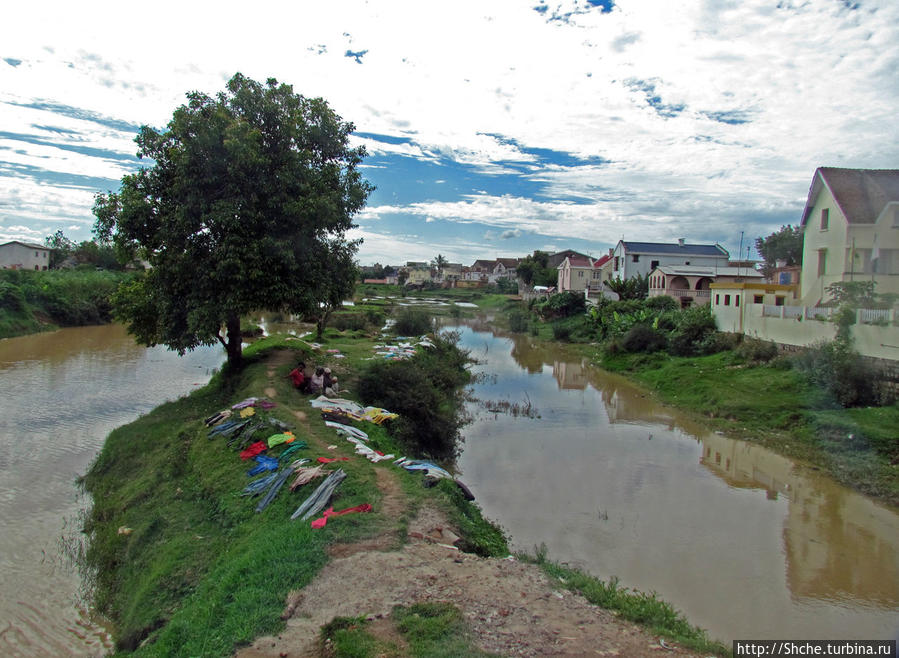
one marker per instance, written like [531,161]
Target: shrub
[693,325]
[561,331]
[643,338]
[661,303]
[351,321]
[757,351]
[426,393]
[413,322]
[561,305]
[11,297]
[518,321]
[840,371]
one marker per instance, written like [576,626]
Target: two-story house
[630,259]
[850,230]
[18,255]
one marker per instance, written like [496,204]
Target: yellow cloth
[246,413]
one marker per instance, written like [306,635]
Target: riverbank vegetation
[824,405]
[46,300]
[181,563]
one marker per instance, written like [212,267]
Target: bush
[518,321]
[561,305]
[693,325]
[351,321]
[643,338]
[757,351]
[413,322]
[840,371]
[561,331]
[426,393]
[11,297]
[661,303]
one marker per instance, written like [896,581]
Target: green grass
[648,610]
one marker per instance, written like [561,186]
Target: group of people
[319,381]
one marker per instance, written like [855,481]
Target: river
[63,392]
[747,543]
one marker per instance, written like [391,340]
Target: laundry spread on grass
[401,347]
[320,523]
[352,410]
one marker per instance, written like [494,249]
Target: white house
[630,259]
[17,255]
[850,231]
[692,285]
[575,274]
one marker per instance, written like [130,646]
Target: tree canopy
[245,207]
[784,244]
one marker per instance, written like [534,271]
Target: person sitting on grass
[298,376]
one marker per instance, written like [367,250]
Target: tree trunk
[235,353]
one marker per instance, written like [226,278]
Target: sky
[493,127]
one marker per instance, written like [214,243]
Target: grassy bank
[182,564]
[39,301]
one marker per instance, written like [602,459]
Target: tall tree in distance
[784,244]
[245,207]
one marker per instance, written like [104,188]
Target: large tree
[784,244]
[245,207]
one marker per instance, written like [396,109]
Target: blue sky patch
[81,114]
[730,117]
[12,61]
[357,55]
[648,87]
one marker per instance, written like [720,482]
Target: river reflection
[62,393]
[747,543]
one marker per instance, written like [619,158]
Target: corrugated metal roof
[675,249]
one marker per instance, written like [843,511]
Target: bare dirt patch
[512,607]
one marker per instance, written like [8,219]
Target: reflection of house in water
[570,375]
[837,542]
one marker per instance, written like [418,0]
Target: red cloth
[254,450]
[328,460]
[320,523]
[297,377]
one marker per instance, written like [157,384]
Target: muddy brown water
[747,543]
[62,393]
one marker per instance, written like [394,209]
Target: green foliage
[560,305]
[661,303]
[643,338]
[245,207]
[435,630]
[838,369]
[534,270]
[757,351]
[412,321]
[784,244]
[518,321]
[636,287]
[425,391]
[694,324]
[11,297]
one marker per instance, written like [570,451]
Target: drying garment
[320,497]
[362,449]
[230,428]
[265,404]
[246,413]
[256,487]
[430,469]
[306,475]
[264,464]
[296,445]
[249,402]
[217,417]
[320,523]
[274,489]
[328,460]
[253,450]
[340,404]
[346,429]
[281,425]
[378,416]
[278,439]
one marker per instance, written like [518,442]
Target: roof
[30,245]
[602,261]
[480,263]
[861,194]
[577,261]
[508,262]
[675,249]
[696,270]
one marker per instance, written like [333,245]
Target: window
[736,300]
[727,300]
[758,299]
[653,264]
[635,258]
[896,217]
[615,266]
[580,274]
[687,263]
[717,300]
[779,300]
[825,218]
[822,262]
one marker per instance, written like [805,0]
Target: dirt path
[512,608]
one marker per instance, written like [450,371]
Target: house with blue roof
[630,259]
